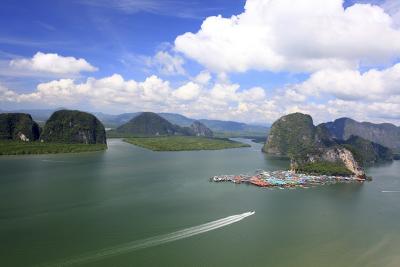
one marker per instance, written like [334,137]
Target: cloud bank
[328,94]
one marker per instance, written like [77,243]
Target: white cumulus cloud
[294,35]
[352,84]
[188,91]
[53,64]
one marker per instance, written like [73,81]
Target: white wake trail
[390,191]
[155,241]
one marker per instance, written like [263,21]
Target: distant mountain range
[114,121]
[385,134]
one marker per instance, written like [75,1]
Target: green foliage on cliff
[183,143]
[367,152]
[311,148]
[22,148]
[73,126]
[325,168]
[290,135]
[16,126]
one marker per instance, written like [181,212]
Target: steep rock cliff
[73,126]
[18,126]
[199,129]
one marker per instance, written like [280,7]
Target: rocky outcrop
[290,134]
[200,129]
[385,134]
[18,126]
[345,156]
[295,136]
[336,155]
[73,126]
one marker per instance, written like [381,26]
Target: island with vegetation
[23,148]
[66,131]
[313,149]
[151,124]
[316,156]
[152,131]
[184,143]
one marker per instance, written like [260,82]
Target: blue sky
[102,34]
[131,55]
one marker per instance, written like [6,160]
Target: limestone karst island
[167,133]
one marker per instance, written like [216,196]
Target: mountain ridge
[385,134]
[114,121]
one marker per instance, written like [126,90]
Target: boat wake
[154,241]
[390,191]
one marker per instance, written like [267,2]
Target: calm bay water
[56,207]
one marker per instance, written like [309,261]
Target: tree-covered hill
[73,126]
[18,126]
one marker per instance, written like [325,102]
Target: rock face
[291,133]
[18,126]
[73,126]
[200,129]
[385,134]
[341,154]
[149,124]
[296,136]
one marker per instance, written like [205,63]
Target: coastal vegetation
[247,135]
[183,143]
[66,131]
[325,168]
[9,147]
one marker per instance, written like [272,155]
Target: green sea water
[59,209]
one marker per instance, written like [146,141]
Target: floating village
[285,179]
